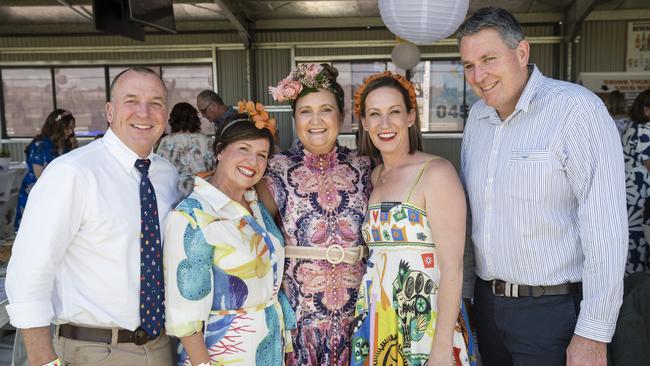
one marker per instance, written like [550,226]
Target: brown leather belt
[103,335]
[507,289]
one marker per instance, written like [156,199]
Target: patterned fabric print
[226,273]
[39,152]
[190,153]
[152,295]
[397,305]
[321,200]
[636,149]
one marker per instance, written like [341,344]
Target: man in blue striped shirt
[543,167]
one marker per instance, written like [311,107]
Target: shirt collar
[525,99]
[125,156]
[218,199]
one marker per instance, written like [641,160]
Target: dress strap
[417,179]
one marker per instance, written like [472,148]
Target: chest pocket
[528,173]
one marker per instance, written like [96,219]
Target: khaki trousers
[77,353]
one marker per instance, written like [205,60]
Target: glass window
[184,83]
[82,91]
[440,89]
[27,100]
[350,77]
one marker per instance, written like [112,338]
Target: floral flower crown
[257,114]
[410,88]
[302,80]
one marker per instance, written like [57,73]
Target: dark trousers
[523,331]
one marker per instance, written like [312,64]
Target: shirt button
[487,236]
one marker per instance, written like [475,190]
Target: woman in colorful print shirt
[223,256]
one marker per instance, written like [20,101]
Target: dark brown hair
[54,129]
[184,118]
[330,73]
[615,103]
[244,129]
[415,135]
[637,113]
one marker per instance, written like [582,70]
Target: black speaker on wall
[128,17]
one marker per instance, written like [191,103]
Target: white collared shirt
[546,188]
[76,257]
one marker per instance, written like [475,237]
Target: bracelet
[56,362]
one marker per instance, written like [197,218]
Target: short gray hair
[208,95]
[493,18]
[140,70]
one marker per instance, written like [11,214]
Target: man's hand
[586,352]
[38,344]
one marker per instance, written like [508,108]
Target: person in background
[56,138]
[224,256]
[408,308]
[636,150]
[319,191]
[543,168]
[189,150]
[615,103]
[88,253]
[213,108]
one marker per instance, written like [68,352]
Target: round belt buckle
[335,260]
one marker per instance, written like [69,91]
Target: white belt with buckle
[334,253]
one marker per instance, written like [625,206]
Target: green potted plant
[5,157]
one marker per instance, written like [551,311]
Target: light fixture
[405,55]
[423,21]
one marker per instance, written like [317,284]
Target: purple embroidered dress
[322,200]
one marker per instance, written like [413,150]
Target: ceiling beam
[575,15]
[236,18]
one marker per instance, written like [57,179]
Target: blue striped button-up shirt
[547,194]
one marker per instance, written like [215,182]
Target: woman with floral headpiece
[319,191]
[408,308]
[223,256]
[56,138]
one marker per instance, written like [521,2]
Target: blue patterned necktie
[152,293]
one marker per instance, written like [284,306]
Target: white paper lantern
[423,21]
[405,55]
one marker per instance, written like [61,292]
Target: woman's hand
[441,356]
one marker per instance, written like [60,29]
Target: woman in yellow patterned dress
[408,308]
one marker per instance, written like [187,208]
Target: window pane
[27,100]
[184,83]
[351,75]
[439,87]
[82,91]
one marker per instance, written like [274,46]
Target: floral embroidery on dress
[321,200]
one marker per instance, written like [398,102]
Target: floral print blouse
[190,153]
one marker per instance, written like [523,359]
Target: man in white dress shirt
[76,258]
[543,167]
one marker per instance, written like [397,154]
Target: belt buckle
[334,260]
[494,289]
[140,336]
[509,289]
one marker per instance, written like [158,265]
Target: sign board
[625,82]
[638,46]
